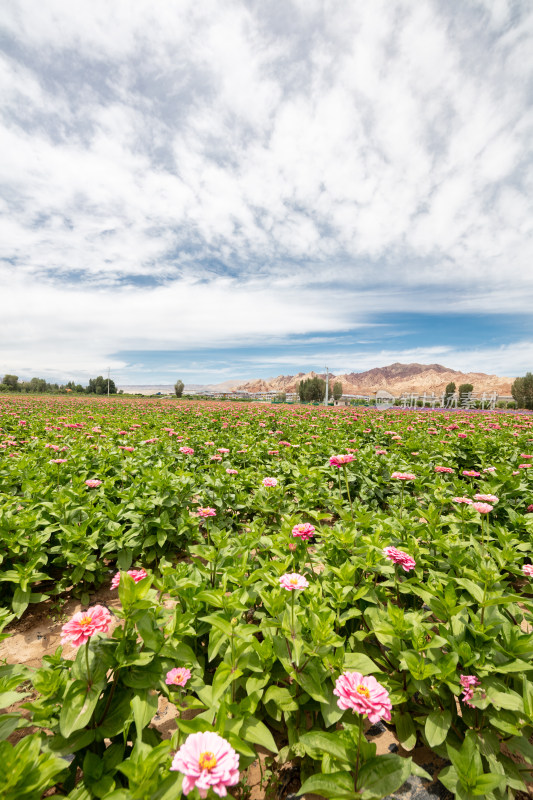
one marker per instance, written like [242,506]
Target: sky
[237,189]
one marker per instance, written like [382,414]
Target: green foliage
[178,388]
[337,390]
[312,390]
[522,391]
[449,391]
[465,388]
[100,385]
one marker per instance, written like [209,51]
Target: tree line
[11,383]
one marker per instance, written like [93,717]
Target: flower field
[288,576]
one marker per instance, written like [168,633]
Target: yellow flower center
[207,760]
[293,581]
[363,690]
[86,620]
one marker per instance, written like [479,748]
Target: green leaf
[487,783]
[359,662]
[437,726]
[144,707]
[383,775]
[308,681]
[222,679]
[78,706]
[318,742]
[20,601]
[405,730]
[255,731]
[335,784]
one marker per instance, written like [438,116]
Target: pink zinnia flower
[339,461]
[206,512]
[188,451]
[207,761]
[471,473]
[486,498]
[85,624]
[364,695]
[524,466]
[381,452]
[303,531]
[529,509]
[403,476]
[291,581]
[482,508]
[232,472]
[406,561]
[466,500]
[136,574]
[93,484]
[269,482]
[527,569]
[178,676]
[449,470]
[58,461]
[222,450]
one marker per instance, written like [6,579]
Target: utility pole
[108,381]
[327,387]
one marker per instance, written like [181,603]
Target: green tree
[522,391]
[312,390]
[449,391]
[12,382]
[99,386]
[179,386]
[281,397]
[465,388]
[337,390]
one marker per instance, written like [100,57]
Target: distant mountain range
[396,379]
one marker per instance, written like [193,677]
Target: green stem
[293,631]
[401,501]
[89,679]
[348,489]
[358,751]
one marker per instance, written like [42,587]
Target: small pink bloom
[529,509]
[364,695]
[304,531]
[58,461]
[207,761]
[291,581]
[527,569]
[403,476]
[469,683]
[216,458]
[448,470]
[188,451]
[471,473]
[381,452]
[93,484]
[524,466]
[232,472]
[482,508]
[339,461]
[209,444]
[136,574]
[206,512]
[465,500]
[486,498]
[85,624]
[222,450]
[127,449]
[269,482]
[178,676]
[489,469]
[406,561]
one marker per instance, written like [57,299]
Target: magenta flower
[136,574]
[486,498]
[340,461]
[207,761]
[406,561]
[469,683]
[292,580]
[206,512]
[304,530]
[93,484]
[178,676]
[269,482]
[364,695]
[527,569]
[85,624]
[482,508]
[529,509]
[471,473]
[403,476]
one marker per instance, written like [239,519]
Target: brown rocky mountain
[396,378]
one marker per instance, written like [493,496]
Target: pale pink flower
[525,466]
[482,508]
[208,762]
[85,624]
[127,449]
[269,482]
[364,695]
[292,580]
[93,484]
[465,500]
[448,470]
[273,452]
[486,498]
[381,452]
[527,569]
[136,574]
[216,458]
[403,476]
[304,531]
[406,561]
[188,451]
[471,473]
[222,450]
[232,472]
[489,469]
[339,461]
[178,676]
[206,512]
[58,461]
[209,444]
